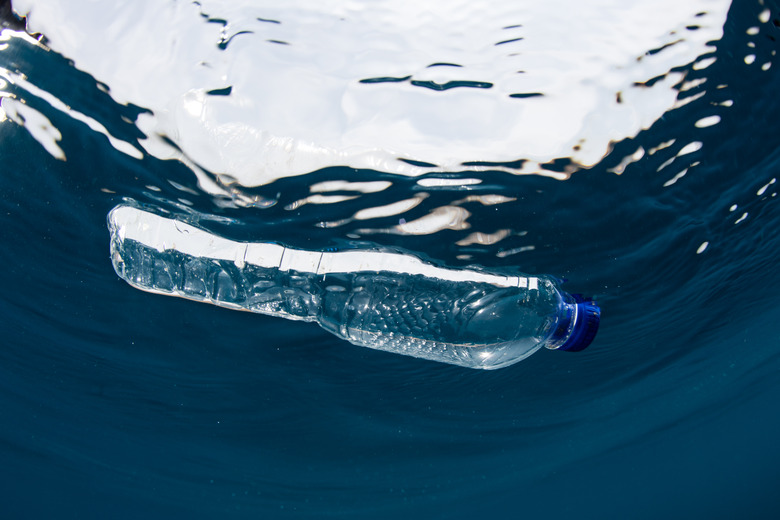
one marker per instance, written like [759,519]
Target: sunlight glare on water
[260,90]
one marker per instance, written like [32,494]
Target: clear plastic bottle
[388,301]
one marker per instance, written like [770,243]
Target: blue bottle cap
[586,325]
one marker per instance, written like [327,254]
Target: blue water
[120,404]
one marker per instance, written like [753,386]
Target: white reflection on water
[261,90]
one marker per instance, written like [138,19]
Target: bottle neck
[563,328]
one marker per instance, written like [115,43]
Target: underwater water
[658,197]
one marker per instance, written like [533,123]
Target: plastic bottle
[388,301]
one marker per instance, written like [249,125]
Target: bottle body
[386,301]
[473,324]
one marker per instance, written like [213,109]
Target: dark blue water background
[115,403]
